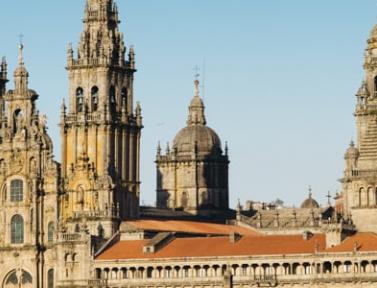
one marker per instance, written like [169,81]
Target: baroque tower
[193,176]
[29,186]
[100,128]
[359,194]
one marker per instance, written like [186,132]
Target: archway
[18,278]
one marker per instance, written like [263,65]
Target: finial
[226,148]
[138,109]
[167,148]
[328,196]
[196,81]
[158,148]
[20,54]
[310,192]
[239,207]
[352,144]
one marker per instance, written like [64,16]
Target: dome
[204,138]
[197,135]
[309,203]
[352,152]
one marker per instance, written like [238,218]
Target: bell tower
[360,176]
[100,128]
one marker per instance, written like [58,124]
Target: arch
[124,273]
[101,231]
[74,256]
[375,84]
[112,94]
[17,229]
[17,190]
[114,273]
[94,98]
[50,278]
[337,266]
[361,192]
[363,265]
[77,228]
[17,120]
[185,271]
[124,96]
[369,196]
[18,278]
[184,200]
[79,100]
[286,269]
[347,266]
[327,267]
[50,232]
[149,272]
[98,273]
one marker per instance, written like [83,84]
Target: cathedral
[79,223]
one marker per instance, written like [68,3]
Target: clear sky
[280,80]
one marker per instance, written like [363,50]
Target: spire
[3,69]
[101,42]
[21,75]
[196,109]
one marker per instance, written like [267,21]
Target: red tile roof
[218,246]
[364,241]
[190,227]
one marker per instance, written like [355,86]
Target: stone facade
[359,192]
[100,129]
[30,187]
[58,220]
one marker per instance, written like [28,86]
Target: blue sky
[280,80]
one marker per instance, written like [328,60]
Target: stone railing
[98,283]
[70,237]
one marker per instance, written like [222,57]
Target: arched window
[18,119]
[50,232]
[50,278]
[94,94]
[112,98]
[375,85]
[16,190]
[17,229]
[101,231]
[124,96]
[79,100]
[184,200]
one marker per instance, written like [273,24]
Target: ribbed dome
[199,137]
[196,136]
[309,203]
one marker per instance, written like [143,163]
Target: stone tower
[29,186]
[359,194]
[100,128]
[193,176]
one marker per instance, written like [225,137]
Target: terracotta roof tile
[364,241]
[190,227]
[218,246]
